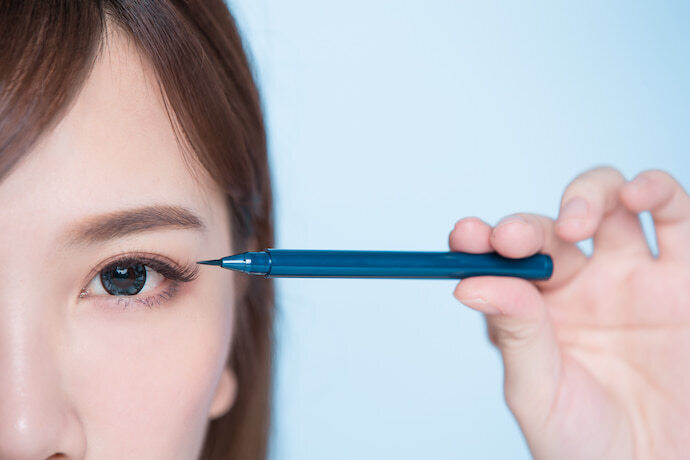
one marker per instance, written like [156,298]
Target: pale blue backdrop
[390,120]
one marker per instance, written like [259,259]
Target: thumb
[523,331]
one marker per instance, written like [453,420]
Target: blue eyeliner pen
[310,263]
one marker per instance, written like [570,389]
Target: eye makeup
[125,279]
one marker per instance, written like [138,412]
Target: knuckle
[608,177]
[544,224]
[599,187]
[658,175]
[609,171]
[600,177]
[665,187]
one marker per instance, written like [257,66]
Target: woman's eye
[125,280]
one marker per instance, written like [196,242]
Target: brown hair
[46,51]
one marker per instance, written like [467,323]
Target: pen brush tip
[210,262]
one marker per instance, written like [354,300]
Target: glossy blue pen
[314,263]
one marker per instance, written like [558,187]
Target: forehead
[114,148]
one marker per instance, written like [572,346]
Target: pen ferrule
[255,263]
[258,263]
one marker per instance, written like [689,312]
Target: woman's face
[134,370]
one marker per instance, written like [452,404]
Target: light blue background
[389,121]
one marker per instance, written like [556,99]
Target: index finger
[523,235]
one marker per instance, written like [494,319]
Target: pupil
[124,279]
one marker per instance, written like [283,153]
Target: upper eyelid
[169,269]
[144,260]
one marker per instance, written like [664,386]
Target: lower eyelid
[149,301]
[156,300]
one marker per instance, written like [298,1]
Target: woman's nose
[38,420]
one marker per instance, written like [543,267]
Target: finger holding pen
[517,318]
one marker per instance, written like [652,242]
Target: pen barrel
[402,264]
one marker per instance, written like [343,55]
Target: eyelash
[174,275]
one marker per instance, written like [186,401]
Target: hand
[597,358]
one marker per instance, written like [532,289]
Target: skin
[83,376]
[596,358]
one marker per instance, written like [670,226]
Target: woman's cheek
[146,377]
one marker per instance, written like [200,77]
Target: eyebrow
[117,224]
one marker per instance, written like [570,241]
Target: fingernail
[574,209]
[480,303]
